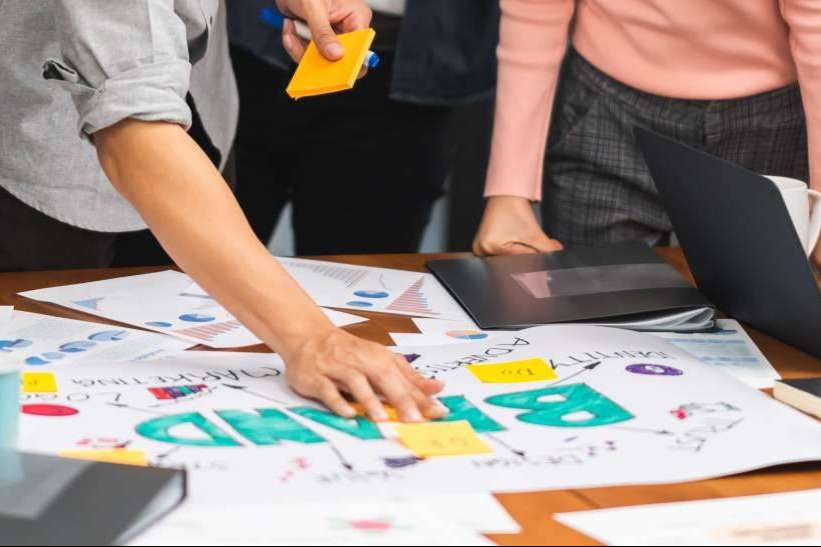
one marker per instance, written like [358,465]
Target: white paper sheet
[777,519]
[35,340]
[163,302]
[5,316]
[625,409]
[362,288]
[730,348]
[342,522]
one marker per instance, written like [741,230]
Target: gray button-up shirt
[69,68]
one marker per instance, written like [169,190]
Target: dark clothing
[361,170]
[597,187]
[35,241]
[445,55]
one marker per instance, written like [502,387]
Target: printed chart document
[362,288]
[777,519]
[5,316]
[38,340]
[553,408]
[729,348]
[162,302]
[343,522]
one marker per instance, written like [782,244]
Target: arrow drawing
[584,369]
[521,453]
[255,394]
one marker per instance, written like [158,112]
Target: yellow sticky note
[318,76]
[441,439]
[393,415]
[120,456]
[39,382]
[514,372]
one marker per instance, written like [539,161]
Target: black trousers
[361,170]
[31,240]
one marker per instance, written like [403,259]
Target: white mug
[804,206]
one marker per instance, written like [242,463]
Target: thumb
[323,33]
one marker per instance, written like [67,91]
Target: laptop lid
[738,239]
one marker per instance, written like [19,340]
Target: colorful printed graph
[8,346]
[177,392]
[209,333]
[372,294]
[412,301]
[346,276]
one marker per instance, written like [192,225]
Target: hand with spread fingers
[337,367]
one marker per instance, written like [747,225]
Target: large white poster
[554,407]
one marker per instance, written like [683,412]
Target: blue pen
[273,18]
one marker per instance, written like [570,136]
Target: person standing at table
[365,183]
[123,81]
[720,76]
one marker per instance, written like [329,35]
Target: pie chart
[77,347]
[14,344]
[359,304]
[467,334]
[36,361]
[371,294]
[159,324]
[196,318]
[109,336]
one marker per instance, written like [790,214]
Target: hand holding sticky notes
[441,439]
[316,75]
[528,370]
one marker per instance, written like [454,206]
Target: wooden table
[533,510]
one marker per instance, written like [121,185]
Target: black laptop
[739,240]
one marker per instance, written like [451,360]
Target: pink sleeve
[534,38]
[804,20]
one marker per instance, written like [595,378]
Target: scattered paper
[732,350]
[776,519]
[163,302]
[39,382]
[515,372]
[626,409]
[383,290]
[441,439]
[341,522]
[41,340]
[118,456]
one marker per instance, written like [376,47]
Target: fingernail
[414,416]
[336,50]
[443,409]
[380,415]
[348,412]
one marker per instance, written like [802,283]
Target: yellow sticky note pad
[514,372]
[393,415]
[318,76]
[120,456]
[39,382]
[441,439]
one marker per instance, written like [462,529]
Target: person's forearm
[191,210]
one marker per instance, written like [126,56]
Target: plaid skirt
[597,187]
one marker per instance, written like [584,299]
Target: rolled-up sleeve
[122,59]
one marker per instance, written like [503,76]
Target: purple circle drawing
[371,294]
[654,370]
[358,304]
